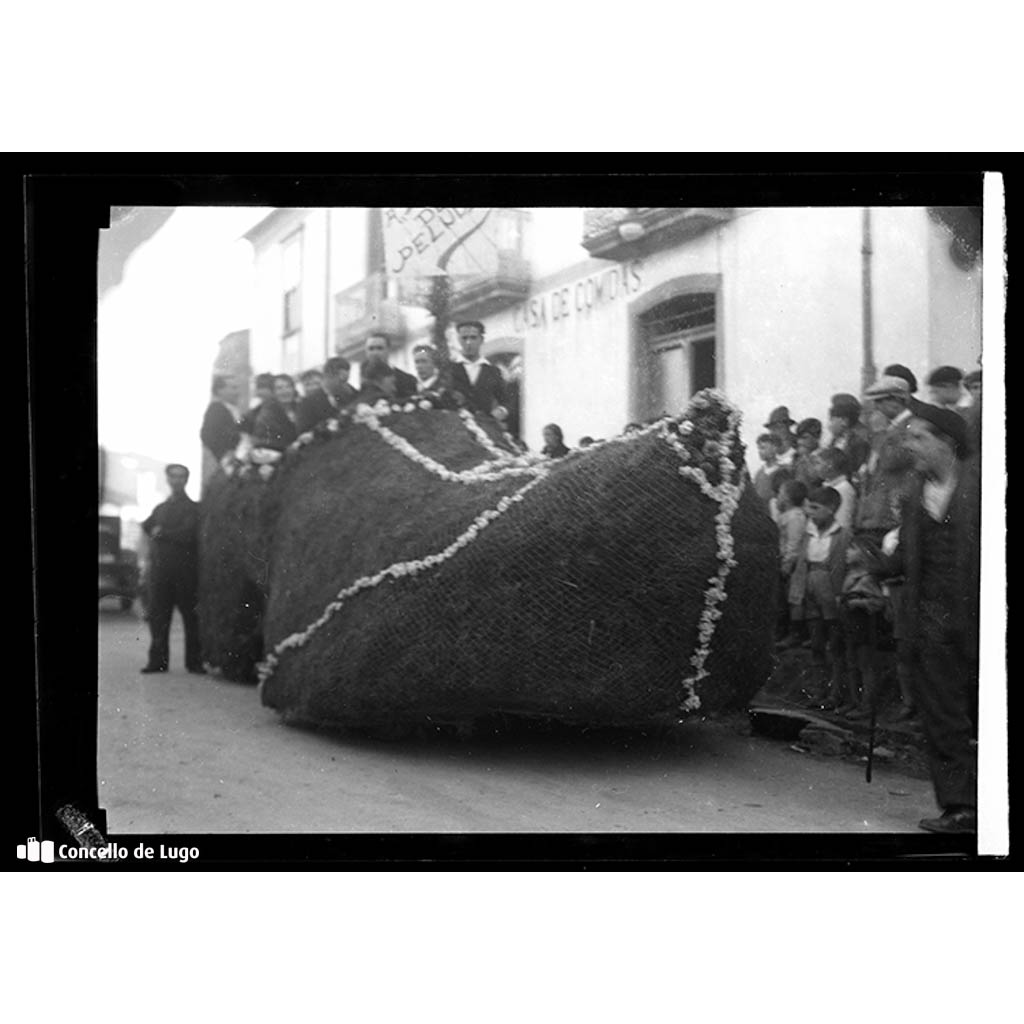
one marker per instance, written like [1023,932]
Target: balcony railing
[490,273]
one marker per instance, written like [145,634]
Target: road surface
[193,754]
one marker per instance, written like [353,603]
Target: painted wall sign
[579,298]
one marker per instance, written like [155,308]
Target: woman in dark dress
[275,424]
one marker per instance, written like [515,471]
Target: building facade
[775,306]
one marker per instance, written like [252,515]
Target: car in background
[118,567]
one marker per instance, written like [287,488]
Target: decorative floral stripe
[727,495]
[511,466]
[395,571]
[483,438]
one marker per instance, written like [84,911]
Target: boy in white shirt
[814,587]
[834,466]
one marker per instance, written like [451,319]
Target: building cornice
[275,224]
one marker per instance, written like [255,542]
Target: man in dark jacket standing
[381,380]
[173,531]
[219,432]
[264,389]
[326,402]
[479,382]
[939,554]
[890,467]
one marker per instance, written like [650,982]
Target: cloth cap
[946,375]
[888,387]
[946,422]
[809,426]
[974,377]
[899,370]
[845,405]
[780,415]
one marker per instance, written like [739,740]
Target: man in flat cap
[780,425]
[890,464]
[889,476]
[899,370]
[945,387]
[939,554]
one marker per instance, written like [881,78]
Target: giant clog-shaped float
[410,565]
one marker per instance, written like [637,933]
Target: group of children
[831,597]
[832,602]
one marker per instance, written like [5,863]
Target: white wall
[791,311]
[954,325]
[791,317]
[158,332]
[577,362]
[269,353]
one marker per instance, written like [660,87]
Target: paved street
[193,754]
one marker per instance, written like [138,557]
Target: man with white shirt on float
[480,383]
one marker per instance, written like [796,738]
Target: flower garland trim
[396,570]
[726,494]
[511,466]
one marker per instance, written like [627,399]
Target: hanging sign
[419,241]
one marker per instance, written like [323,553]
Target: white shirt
[235,414]
[936,496]
[819,544]
[473,369]
[426,385]
[848,499]
[785,458]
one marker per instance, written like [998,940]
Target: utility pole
[869,371]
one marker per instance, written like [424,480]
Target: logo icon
[36,851]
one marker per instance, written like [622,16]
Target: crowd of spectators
[877,508]
[879,544]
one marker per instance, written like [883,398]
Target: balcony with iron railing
[506,283]
[621,232]
[488,274]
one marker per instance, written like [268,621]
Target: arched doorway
[676,338]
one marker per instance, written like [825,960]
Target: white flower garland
[511,465]
[483,438]
[726,494]
[396,571]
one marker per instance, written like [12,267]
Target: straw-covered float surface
[409,566]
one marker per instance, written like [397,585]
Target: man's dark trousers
[945,692]
[170,587]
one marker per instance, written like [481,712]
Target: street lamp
[631,231]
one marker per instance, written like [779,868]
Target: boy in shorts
[814,588]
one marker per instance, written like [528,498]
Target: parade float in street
[406,565]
